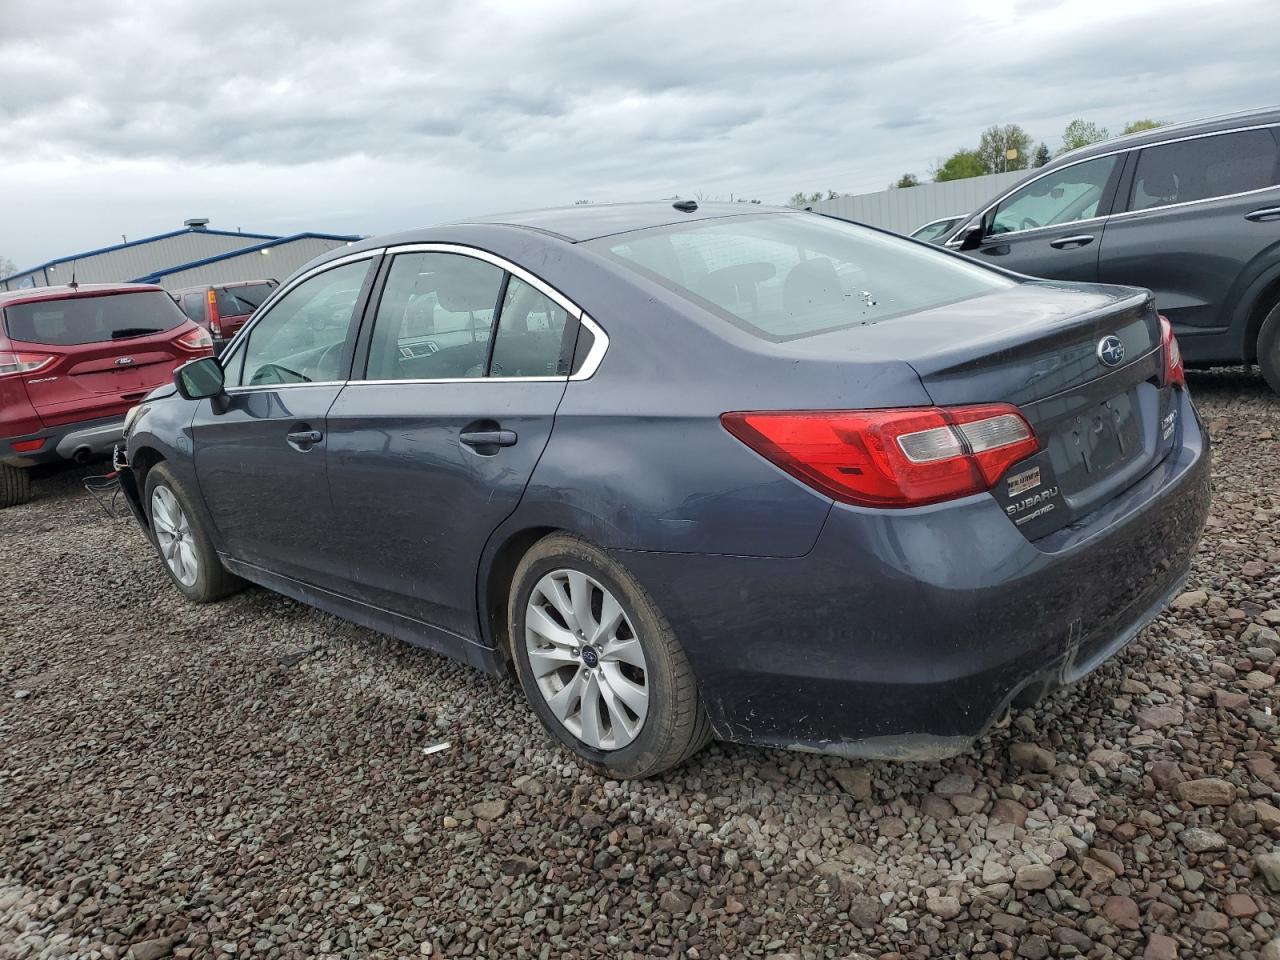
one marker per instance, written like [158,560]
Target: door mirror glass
[199,379]
[970,237]
[1063,196]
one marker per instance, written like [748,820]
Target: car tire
[15,485]
[1269,348]
[183,542]
[640,653]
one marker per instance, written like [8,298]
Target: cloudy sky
[128,117]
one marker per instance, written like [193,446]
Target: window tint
[1203,168]
[301,339]
[782,275]
[1064,196]
[531,331]
[193,305]
[434,318]
[93,319]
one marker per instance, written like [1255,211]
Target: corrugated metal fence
[906,208]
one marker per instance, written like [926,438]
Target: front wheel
[599,664]
[1269,348]
[183,542]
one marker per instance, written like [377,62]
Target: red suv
[73,360]
[223,308]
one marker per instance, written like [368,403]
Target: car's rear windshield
[241,301]
[92,319]
[783,276]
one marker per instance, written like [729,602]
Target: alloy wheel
[173,533]
[586,659]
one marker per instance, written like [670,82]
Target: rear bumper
[905,634]
[92,438]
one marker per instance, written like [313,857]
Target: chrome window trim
[954,240]
[268,387]
[589,365]
[269,304]
[1192,203]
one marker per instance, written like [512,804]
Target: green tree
[996,144]
[1081,133]
[1137,125]
[1042,155]
[906,180]
[959,166]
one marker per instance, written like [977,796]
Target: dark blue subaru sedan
[694,471]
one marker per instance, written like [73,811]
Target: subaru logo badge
[123,361]
[1111,351]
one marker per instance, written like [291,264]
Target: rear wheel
[599,663]
[182,541]
[15,486]
[1269,348]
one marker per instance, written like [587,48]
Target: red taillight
[903,457]
[197,341]
[215,321]
[26,446]
[14,364]
[1174,373]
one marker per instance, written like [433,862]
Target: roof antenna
[73,285]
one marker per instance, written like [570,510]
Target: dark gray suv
[1190,211]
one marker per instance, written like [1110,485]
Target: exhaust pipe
[82,454]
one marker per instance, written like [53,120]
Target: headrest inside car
[466,285]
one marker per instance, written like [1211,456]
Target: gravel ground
[248,780]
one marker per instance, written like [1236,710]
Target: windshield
[786,276]
[932,231]
[93,319]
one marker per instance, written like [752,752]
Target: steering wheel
[270,373]
[1028,224]
[322,360]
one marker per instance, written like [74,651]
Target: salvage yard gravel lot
[248,779]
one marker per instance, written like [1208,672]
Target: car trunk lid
[1082,363]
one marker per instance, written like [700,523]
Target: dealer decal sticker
[1024,481]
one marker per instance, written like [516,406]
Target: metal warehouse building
[184,258]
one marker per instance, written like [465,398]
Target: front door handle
[1267,213]
[304,439]
[488,438]
[1081,240]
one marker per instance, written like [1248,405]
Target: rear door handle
[304,438]
[489,438]
[1081,240]
[1267,213]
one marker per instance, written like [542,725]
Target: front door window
[1064,196]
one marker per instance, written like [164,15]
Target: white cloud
[313,114]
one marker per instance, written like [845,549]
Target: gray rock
[1034,876]
[1201,840]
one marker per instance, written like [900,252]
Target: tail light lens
[15,364]
[902,457]
[1174,373]
[215,321]
[197,341]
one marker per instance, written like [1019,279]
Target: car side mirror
[198,379]
[970,237]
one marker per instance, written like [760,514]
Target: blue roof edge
[153,277]
[134,243]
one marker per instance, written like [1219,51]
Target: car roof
[66,292]
[1172,131]
[590,221]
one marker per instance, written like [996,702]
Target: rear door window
[93,319]
[193,304]
[531,334]
[1063,196]
[1204,168]
[435,318]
